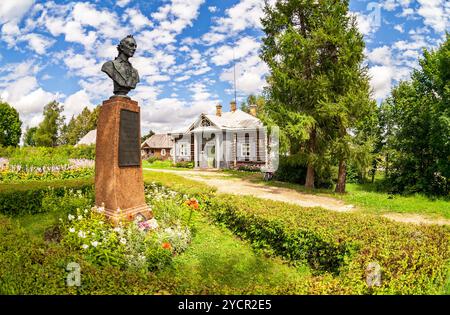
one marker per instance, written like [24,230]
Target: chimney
[218,110]
[253,109]
[233,106]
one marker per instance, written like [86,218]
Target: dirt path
[225,183]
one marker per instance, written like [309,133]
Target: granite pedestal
[119,184]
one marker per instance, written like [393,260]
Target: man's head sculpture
[120,70]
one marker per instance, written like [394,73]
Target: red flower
[166,245]
[193,203]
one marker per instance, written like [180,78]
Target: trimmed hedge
[413,259]
[26,198]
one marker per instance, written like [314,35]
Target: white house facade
[225,140]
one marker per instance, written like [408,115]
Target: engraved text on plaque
[129,150]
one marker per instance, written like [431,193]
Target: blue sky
[54,50]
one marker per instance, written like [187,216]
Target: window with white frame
[184,150]
[245,149]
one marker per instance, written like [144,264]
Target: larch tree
[317,86]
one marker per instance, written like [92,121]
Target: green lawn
[162,165]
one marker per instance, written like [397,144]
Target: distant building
[224,140]
[158,145]
[89,138]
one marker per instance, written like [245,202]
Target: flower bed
[76,168]
[133,245]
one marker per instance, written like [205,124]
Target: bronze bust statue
[120,70]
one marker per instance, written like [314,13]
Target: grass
[218,262]
[166,164]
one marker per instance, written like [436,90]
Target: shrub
[184,164]
[35,197]
[412,259]
[152,159]
[293,170]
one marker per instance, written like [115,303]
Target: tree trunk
[309,183]
[340,186]
[310,177]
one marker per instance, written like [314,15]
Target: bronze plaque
[129,150]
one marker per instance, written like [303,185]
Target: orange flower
[193,203]
[166,245]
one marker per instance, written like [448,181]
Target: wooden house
[224,140]
[158,145]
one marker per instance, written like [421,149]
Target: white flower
[85,211]
[123,241]
[72,230]
[101,209]
[94,243]
[101,222]
[84,246]
[168,230]
[118,229]
[118,209]
[153,224]
[70,217]
[81,234]
[80,217]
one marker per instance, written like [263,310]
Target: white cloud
[381,55]
[122,3]
[366,24]
[435,14]
[212,9]
[38,43]
[381,79]
[250,75]
[13,10]
[137,19]
[74,104]
[244,46]
[399,28]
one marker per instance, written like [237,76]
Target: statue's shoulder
[108,66]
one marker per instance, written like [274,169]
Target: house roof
[158,141]
[236,119]
[89,138]
[231,120]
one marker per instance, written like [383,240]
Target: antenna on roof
[234,75]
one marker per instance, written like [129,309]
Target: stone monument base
[119,185]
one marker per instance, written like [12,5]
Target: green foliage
[47,132]
[9,176]
[317,87]
[28,138]
[184,164]
[412,259]
[34,197]
[148,135]
[10,125]
[47,156]
[152,159]
[416,121]
[292,169]
[79,126]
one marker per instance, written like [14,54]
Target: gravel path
[230,185]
